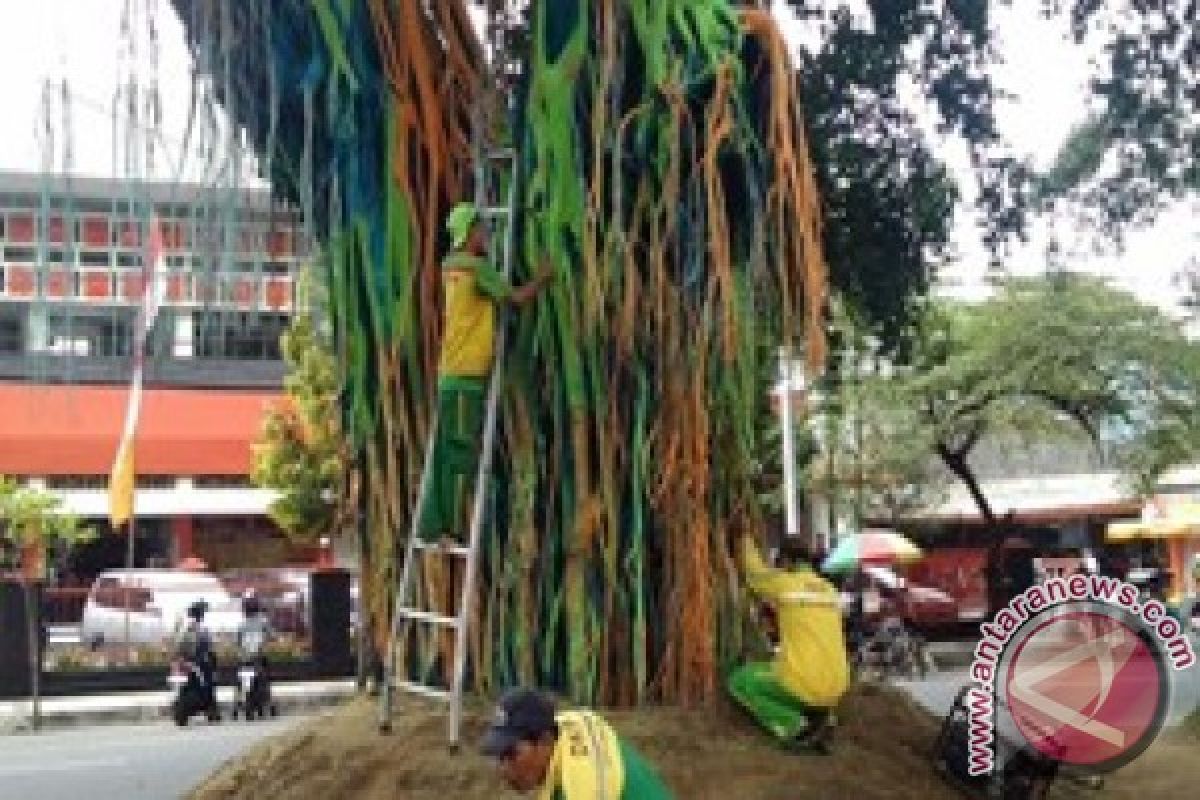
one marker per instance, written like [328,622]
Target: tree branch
[956,462]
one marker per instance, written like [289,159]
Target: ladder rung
[495,211]
[429,616]
[503,152]
[454,550]
[420,688]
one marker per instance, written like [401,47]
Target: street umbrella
[870,547]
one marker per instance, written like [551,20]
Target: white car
[155,603]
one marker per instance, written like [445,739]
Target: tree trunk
[33,634]
[368,658]
[956,462]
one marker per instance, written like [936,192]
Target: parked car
[961,573]
[155,603]
[926,609]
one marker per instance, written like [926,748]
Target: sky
[81,41]
[1048,75]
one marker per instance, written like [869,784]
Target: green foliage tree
[874,455]
[865,453]
[1142,143]
[301,452]
[32,517]
[888,198]
[1054,357]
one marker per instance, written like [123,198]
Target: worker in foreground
[794,695]
[568,755]
[472,288]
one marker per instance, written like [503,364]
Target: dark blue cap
[522,715]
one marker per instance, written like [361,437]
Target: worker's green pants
[755,686]
[455,457]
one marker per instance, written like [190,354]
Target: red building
[71,283]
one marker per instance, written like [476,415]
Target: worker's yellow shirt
[811,661]
[471,290]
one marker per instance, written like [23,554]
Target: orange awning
[73,430]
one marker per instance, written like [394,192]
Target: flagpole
[123,506]
[129,584]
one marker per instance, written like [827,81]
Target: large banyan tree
[662,166]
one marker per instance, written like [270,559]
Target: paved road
[143,762]
[937,692]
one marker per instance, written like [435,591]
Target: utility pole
[831,442]
[789,451]
[858,453]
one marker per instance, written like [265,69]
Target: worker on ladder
[472,289]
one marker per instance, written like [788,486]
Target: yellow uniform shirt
[471,288]
[591,762]
[811,662]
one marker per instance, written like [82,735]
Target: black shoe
[818,737]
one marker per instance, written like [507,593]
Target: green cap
[462,218]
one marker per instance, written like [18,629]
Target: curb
[947,658]
[153,707]
[953,656]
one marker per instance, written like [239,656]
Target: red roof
[73,430]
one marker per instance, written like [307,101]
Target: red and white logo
[1085,685]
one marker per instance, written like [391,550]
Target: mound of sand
[881,751]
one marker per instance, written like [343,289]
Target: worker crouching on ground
[472,288]
[794,695]
[568,755]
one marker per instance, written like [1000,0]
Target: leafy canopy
[1052,357]
[300,451]
[33,517]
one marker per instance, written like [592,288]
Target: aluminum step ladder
[405,612]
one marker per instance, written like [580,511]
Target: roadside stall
[1173,521]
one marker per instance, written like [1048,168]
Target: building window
[222,482]
[94,258]
[156,481]
[103,333]
[77,482]
[12,334]
[238,336]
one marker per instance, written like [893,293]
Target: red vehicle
[926,608]
[961,573]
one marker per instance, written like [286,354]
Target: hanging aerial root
[795,201]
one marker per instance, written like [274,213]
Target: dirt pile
[881,752]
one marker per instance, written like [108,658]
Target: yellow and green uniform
[810,671]
[471,290]
[591,762]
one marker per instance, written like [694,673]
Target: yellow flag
[121,485]
[122,481]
